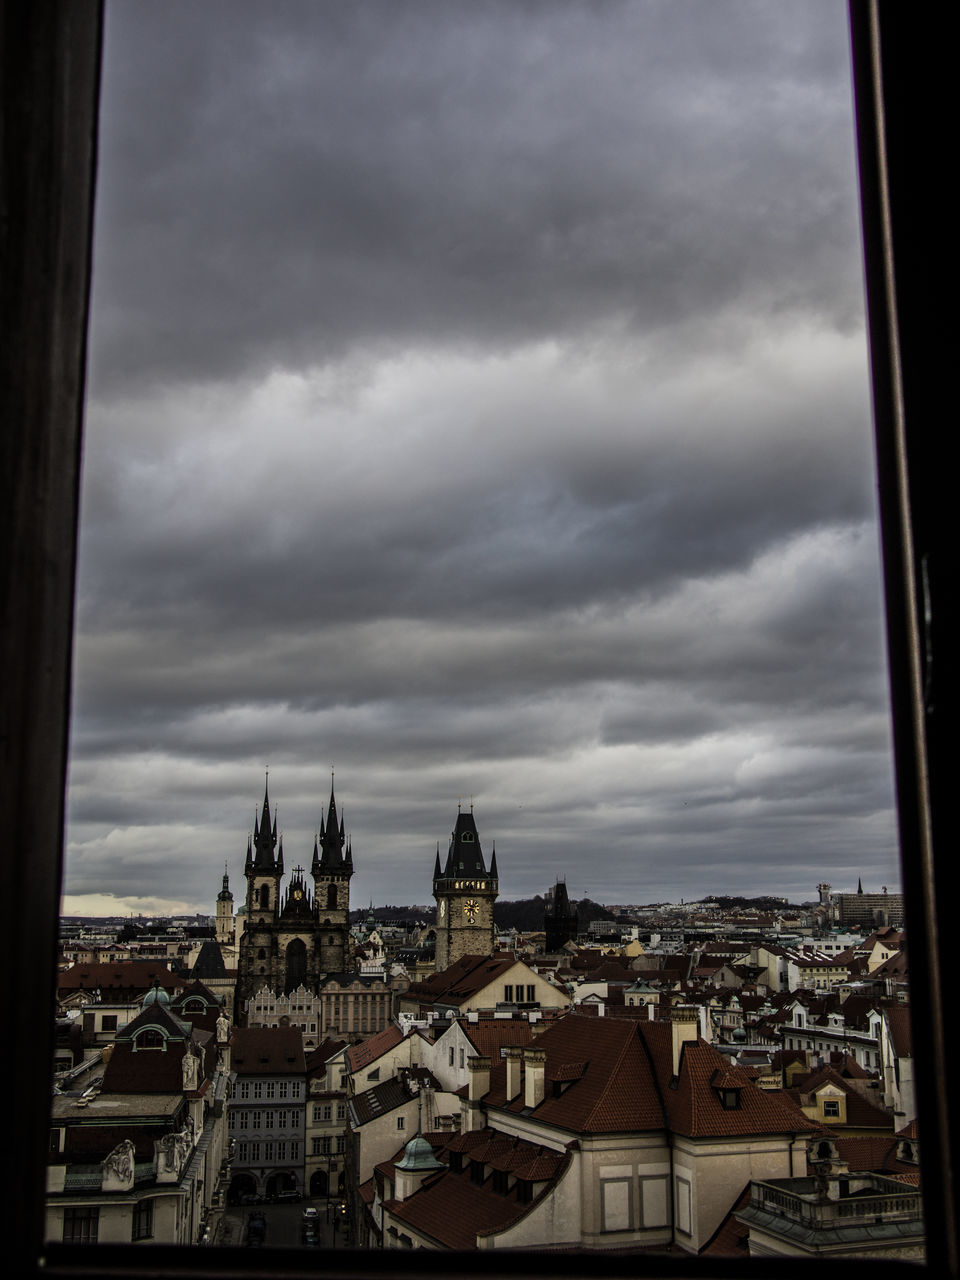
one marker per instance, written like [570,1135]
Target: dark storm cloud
[479,406]
[283,183]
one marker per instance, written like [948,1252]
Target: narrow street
[284,1225]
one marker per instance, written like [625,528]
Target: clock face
[471,909]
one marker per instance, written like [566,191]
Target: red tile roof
[267,1051]
[454,1210]
[130,977]
[489,1037]
[876,1155]
[695,1107]
[898,1020]
[460,981]
[617,1090]
[361,1055]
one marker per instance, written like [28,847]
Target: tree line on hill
[524,914]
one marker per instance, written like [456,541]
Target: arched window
[264,897]
[149,1038]
[331,896]
[296,964]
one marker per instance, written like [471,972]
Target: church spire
[225,895]
[265,836]
[332,837]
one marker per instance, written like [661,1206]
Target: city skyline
[478,405]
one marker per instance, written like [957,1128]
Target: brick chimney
[684,1025]
[535,1063]
[514,1057]
[479,1083]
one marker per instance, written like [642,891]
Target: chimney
[535,1061]
[683,1026]
[514,1057]
[479,1082]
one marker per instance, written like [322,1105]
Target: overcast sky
[478,405]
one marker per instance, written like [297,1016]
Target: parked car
[289,1197]
[310,1214]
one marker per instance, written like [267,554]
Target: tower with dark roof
[559,919]
[332,869]
[225,925]
[465,891]
[263,868]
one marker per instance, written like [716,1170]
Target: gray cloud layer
[479,404]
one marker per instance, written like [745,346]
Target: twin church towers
[299,936]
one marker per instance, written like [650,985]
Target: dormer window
[729,1099]
[150,1038]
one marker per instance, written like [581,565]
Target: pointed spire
[280,856]
[225,895]
[332,838]
[493,862]
[315,864]
[436,866]
[264,835]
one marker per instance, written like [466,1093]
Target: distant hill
[731,903]
[526,914]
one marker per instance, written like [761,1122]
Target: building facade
[267,1111]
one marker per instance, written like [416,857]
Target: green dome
[156,995]
[418,1155]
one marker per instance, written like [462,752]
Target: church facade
[293,938]
[465,891]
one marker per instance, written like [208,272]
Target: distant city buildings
[702,1076]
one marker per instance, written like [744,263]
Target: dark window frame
[904,68]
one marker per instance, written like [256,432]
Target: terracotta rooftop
[361,1055]
[453,1209]
[130,975]
[462,980]
[267,1051]
[488,1037]
[877,1155]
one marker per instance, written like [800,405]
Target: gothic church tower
[332,868]
[465,892]
[295,938]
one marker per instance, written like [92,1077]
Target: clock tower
[465,892]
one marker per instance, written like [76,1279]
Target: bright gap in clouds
[479,404]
